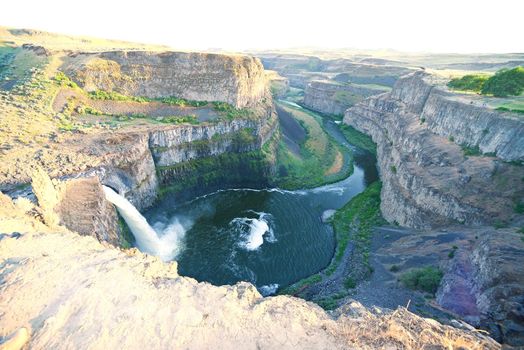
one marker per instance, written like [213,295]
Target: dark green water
[267,237]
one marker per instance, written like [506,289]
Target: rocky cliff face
[421,133]
[330,97]
[427,179]
[483,282]
[143,161]
[238,80]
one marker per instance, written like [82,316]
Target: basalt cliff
[452,165]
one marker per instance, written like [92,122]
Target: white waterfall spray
[165,246]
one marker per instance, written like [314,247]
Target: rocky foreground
[72,292]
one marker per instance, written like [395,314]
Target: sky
[461,26]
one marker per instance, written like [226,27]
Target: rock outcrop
[237,80]
[331,97]
[484,282]
[427,179]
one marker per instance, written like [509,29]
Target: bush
[470,82]
[506,82]
[394,268]
[425,279]
[350,283]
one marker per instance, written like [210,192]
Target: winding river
[268,237]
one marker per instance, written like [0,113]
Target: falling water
[164,245]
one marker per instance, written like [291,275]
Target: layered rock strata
[331,97]
[237,80]
[427,179]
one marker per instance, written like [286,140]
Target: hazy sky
[423,25]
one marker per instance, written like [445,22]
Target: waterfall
[164,245]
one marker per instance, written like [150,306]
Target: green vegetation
[215,171]
[516,106]
[358,139]
[297,287]
[63,80]
[394,268]
[347,98]
[470,82]
[519,207]
[174,101]
[426,279]
[451,138]
[393,169]
[229,112]
[320,159]
[350,283]
[451,253]
[114,96]
[127,240]
[471,151]
[331,303]
[506,82]
[354,222]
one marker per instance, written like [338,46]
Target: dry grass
[402,329]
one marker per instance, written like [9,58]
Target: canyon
[98,291]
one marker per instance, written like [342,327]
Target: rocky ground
[98,297]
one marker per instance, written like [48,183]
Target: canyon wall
[153,159]
[427,179]
[330,97]
[237,80]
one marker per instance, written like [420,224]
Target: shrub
[451,139]
[394,268]
[393,169]
[506,82]
[470,82]
[350,283]
[425,279]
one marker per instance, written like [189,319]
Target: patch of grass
[175,101]
[354,221]
[312,165]
[296,287]
[361,140]
[63,80]
[229,112]
[331,302]
[426,279]
[349,283]
[115,96]
[519,208]
[471,151]
[498,224]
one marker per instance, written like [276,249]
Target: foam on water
[268,289]
[254,229]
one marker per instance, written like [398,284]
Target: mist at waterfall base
[162,240]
